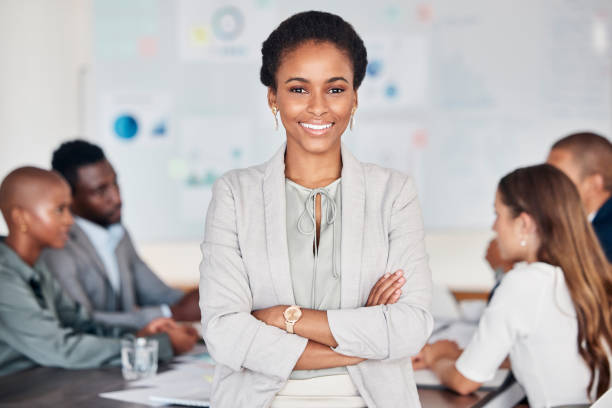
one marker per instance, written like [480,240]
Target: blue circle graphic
[374,68]
[126,127]
[228,23]
[391,91]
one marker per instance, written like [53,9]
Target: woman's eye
[298,90]
[336,90]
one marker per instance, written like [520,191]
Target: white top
[531,317]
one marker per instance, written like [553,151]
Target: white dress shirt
[531,317]
[105,241]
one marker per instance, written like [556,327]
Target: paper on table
[427,379]
[136,396]
[184,379]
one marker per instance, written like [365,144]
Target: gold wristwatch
[292,315]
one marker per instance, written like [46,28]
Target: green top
[42,326]
[314,263]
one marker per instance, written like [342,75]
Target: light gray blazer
[245,266]
[82,275]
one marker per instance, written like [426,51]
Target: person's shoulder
[526,278]
[239,177]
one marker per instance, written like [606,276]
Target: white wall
[44,45]
[456,259]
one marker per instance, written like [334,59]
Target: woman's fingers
[379,290]
[375,288]
[393,292]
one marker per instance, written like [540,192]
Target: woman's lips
[316,128]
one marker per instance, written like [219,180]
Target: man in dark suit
[99,266]
[586,158]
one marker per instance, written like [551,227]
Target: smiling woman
[314,279]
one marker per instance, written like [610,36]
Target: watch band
[289,326]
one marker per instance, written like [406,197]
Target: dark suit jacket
[602,223]
[82,274]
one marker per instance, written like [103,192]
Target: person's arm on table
[440,357]
[152,292]
[187,309]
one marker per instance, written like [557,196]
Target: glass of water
[138,357]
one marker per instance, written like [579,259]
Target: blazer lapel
[276,228]
[353,215]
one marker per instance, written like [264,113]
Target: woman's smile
[316,128]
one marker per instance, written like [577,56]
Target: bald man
[40,325]
[586,158]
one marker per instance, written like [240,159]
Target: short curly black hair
[307,26]
[72,155]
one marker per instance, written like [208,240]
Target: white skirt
[331,391]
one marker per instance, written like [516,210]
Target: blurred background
[456,93]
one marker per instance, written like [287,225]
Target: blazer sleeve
[388,332]
[150,289]
[63,267]
[233,336]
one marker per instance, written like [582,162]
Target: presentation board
[456,94]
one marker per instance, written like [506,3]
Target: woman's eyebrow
[332,79]
[299,79]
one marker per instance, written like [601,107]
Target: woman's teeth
[316,127]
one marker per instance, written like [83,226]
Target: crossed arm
[314,326]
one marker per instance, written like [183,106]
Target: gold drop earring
[352,121]
[275,112]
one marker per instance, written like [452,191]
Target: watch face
[293,314]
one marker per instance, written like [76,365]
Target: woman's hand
[434,352]
[272,316]
[387,290]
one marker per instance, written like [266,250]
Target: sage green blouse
[314,263]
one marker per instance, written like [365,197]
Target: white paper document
[427,379]
[187,383]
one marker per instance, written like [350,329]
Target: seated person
[40,324]
[586,158]
[99,266]
[552,313]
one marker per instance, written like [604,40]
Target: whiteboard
[457,94]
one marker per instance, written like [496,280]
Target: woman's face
[509,234]
[314,95]
[49,219]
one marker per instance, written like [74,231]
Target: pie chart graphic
[228,23]
[126,127]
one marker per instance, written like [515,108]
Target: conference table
[55,387]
